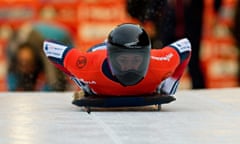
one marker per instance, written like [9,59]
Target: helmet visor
[129,65]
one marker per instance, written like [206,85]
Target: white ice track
[196,117]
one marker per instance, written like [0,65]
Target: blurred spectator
[175,19]
[26,70]
[185,20]
[147,11]
[236,34]
[25,49]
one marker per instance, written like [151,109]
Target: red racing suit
[90,70]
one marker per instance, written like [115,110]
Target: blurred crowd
[29,70]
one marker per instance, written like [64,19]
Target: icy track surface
[196,117]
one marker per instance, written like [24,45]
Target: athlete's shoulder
[181,48]
[97,47]
[182,45]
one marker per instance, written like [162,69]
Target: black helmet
[128,48]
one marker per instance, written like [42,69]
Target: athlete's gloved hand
[168,86]
[55,51]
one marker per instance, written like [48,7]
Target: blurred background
[211,25]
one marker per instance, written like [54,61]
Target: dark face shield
[129,66]
[128,61]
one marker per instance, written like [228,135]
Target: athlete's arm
[56,54]
[183,48]
[70,60]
